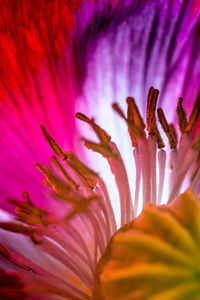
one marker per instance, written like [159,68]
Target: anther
[27,198]
[133,112]
[102,134]
[168,129]
[151,118]
[118,110]
[181,114]
[60,187]
[133,120]
[54,146]
[60,168]
[41,169]
[151,107]
[194,115]
[173,140]
[86,175]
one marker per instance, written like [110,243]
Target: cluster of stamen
[79,238]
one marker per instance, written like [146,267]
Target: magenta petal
[48,101]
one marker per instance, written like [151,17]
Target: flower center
[154,257]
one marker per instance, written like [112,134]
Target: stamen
[110,151]
[54,146]
[168,129]
[133,113]
[133,120]
[118,110]
[102,134]
[181,114]
[27,198]
[28,213]
[86,175]
[194,115]
[58,185]
[60,168]
[79,206]
[88,180]
[65,192]
[173,135]
[151,118]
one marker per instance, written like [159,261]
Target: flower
[70,246]
[81,51]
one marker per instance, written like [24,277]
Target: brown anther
[17,203]
[60,168]
[27,198]
[181,114]
[131,123]
[134,114]
[47,183]
[163,121]
[105,150]
[151,107]
[41,169]
[54,146]
[118,110]
[151,118]
[61,188]
[28,213]
[83,117]
[86,175]
[173,140]
[104,138]
[134,120]
[194,115]
[168,129]
[129,120]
